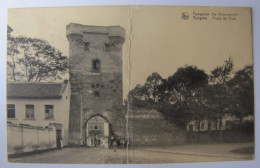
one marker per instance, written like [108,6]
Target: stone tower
[95,55]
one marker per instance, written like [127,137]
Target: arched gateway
[97,132]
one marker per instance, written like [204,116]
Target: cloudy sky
[161,41]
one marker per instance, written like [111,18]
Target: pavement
[141,155]
[213,150]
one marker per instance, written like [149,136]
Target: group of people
[115,143]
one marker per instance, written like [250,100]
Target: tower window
[96,93]
[97,85]
[114,88]
[86,46]
[107,47]
[96,66]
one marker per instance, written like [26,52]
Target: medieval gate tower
[95,55]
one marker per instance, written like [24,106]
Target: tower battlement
[79,29]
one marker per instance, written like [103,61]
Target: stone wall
[149,127]
[75,119]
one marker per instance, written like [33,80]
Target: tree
[184,81]
[34,60]
[200,107]
[149,93]
[189,82]
[152,84]
[12,52]
[172,97]
[138,96]
[221,97]
[221,74]
[242,87]
[183,89]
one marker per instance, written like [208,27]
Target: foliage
[172,96]
[34,60]
[12,51]
[221,74]
[152,86]
[191,94]
[187,78]
[242,88]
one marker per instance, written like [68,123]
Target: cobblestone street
[172,154]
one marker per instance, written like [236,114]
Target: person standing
[95,142]
[59,142]
[114,145]
[123,143]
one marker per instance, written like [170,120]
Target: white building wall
[39,111]
[214,125]
[61,109]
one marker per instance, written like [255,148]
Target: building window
[29,111]
[190,127]
[220,124]
[96,93]
[86,46]
[107,47]
[96,66]
[10,111]
[215,124]
[197,126]
[49,113]
[202,126]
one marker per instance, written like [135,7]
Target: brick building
[96,83]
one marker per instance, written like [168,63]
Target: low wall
[149,127]
[228,136]
[25,138]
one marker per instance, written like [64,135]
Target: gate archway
[97,132]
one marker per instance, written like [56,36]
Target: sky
[157,38]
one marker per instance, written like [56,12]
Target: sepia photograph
[130,85]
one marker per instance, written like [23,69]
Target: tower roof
[112,31]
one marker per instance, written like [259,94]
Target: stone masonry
[95,55]
[149,127]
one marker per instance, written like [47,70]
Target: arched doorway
[97,132]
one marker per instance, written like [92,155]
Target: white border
[5,4]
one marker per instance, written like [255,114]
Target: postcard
[130,85]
